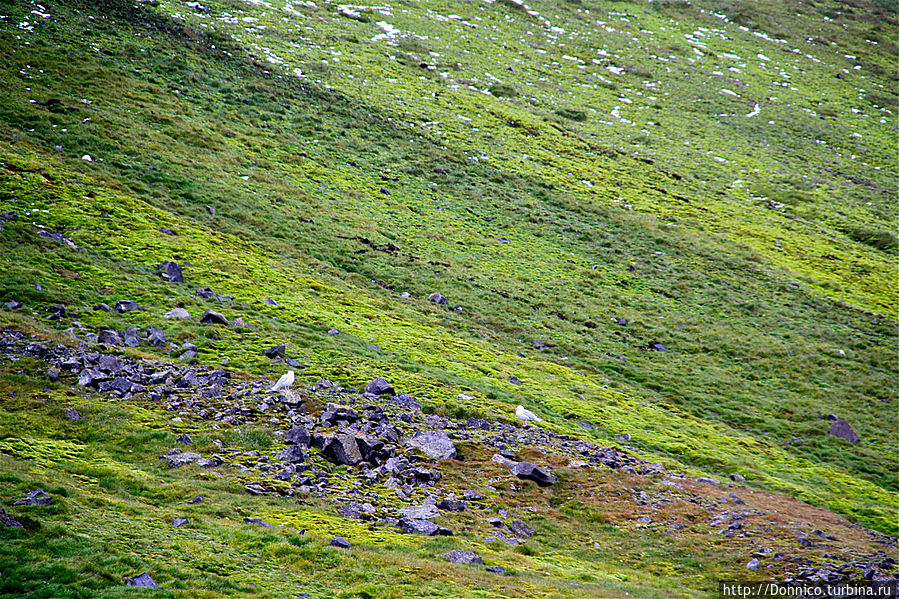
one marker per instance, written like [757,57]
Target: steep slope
[587,184]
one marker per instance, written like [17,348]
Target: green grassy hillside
[582,180]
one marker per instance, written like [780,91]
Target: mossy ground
[760,246]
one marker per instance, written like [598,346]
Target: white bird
[526,415]
[285,381]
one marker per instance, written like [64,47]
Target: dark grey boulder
[8,520]
[422,527]
[407,402]
[258,522]
[207,293]
[36,497]
[292,454]
[176,460]
[379,387]
[131,337]
[496,569]
[340,542]
[451,504]
[438,299]
[528,471]
[843,430]
[435,444]
[109,338]
[213,317]
[357,511]
[170,271]
[298,435]
[102,307]
[111,364]
[72,414]
[342,449]
[91,377]
[185,439]
[275,351]
[53,374]
[155,337]
[126,306]
[57,312]
[520,529]
[334,413]
[143,580]
[457,556]
[656,346]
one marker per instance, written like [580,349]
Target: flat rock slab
[435,444]
[528,471]
[457,556]
[142,580]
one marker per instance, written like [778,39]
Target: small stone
[101,307]
[333,332]
[72,414]
[496,569]
[13,305]
[131,337]
[8,520]
[520,529]
[185,439]
[126,306]
[298,435]
[843,430]
[458,556]
[170,271]
[177,313]
[211,210]
[623,437]
[213,317]
[754,564]
[258,522]
[180,522]
[143,580]
[340,542]
[53,374]
[275,351]
[438,299]
[270,302]
[737,478]
[526,470]
[708,481]
[180,459]
[109,337]
[379,387]
[155,337]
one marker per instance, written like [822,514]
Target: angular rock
[143,580]
[379,387]
[110,364]
[340,542]
[422,527]
[185,439]
[342,449]
[451,504]
[72,414]
[737,478]
[155,337]
[8,520]
[13,305]
[298,435]
[58,311]
[335,412]
[457,556]
[109,338]
[102,307]
[754,564]
[425,511]
[357,511]
[258,522]
[292,454]
[170,271]
[126,306]
[843,430]
[528,471]
[36,497]
[496,569]
[131,337]
[520,529]
[435,444]
[708,481]
[176,460]
[275,351]
[438,299]
[212,317]
[180,522]
[406,401]
[623,437]
[178,313]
